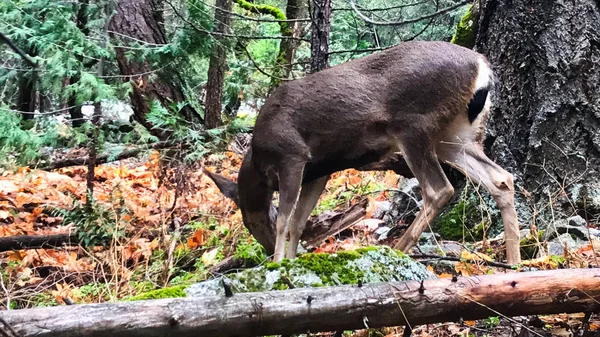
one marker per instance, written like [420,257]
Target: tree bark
[322,309]
[217,67]
[295,9]
[544,126]
[142,20]
[319,41]
[18,242]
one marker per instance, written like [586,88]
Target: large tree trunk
[142,20]
[544,126]
[321,309]
[217,67]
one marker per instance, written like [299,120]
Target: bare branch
[367,50]
[404,22]
[380,9]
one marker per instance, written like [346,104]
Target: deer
[408,108]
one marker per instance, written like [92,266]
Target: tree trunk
[27,98]
[544,126]
[295,9]
[319,41]
[81,20]
[217,67]
[322,309]
[142,20]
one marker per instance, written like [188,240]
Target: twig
[10,329]
[385,9]
[458,259]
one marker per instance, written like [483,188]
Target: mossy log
[322,309]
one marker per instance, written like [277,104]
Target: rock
[556,246]
[406,203]
[429,238]
[563,227]
[381,209]
[577,221]
[367,265]
[381,233]
[447,247]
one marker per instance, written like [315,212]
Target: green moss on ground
[168,292]
[465,30]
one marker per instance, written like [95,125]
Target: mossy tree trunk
[544,126]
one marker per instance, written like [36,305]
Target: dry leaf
[209,257]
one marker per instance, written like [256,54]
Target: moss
[367,265]
[451,225]
[332,269]
[168,292]
[277,13]
[273,266]
[284,28]
[530,244]
[465,30]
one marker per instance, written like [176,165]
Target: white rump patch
[484,75]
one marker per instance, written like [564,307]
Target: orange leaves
[139,248]
[472,264]
[196,240]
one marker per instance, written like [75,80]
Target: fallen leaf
[209,257]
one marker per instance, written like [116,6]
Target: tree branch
[17,50]
[380,9]
[398,23]
[249,37]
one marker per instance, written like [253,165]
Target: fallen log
[37,241]
[315,233]
[103,159]
[322,309]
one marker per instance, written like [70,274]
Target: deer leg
[290,181]
[435,188]
[472,162]
[306,203]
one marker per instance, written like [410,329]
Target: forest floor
[151,227]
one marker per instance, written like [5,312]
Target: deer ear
[226,186]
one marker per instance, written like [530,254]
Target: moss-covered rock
[530,244]
[168,292]
[366,265]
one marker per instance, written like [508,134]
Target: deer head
[408,109]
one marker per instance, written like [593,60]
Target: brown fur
[391,110]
